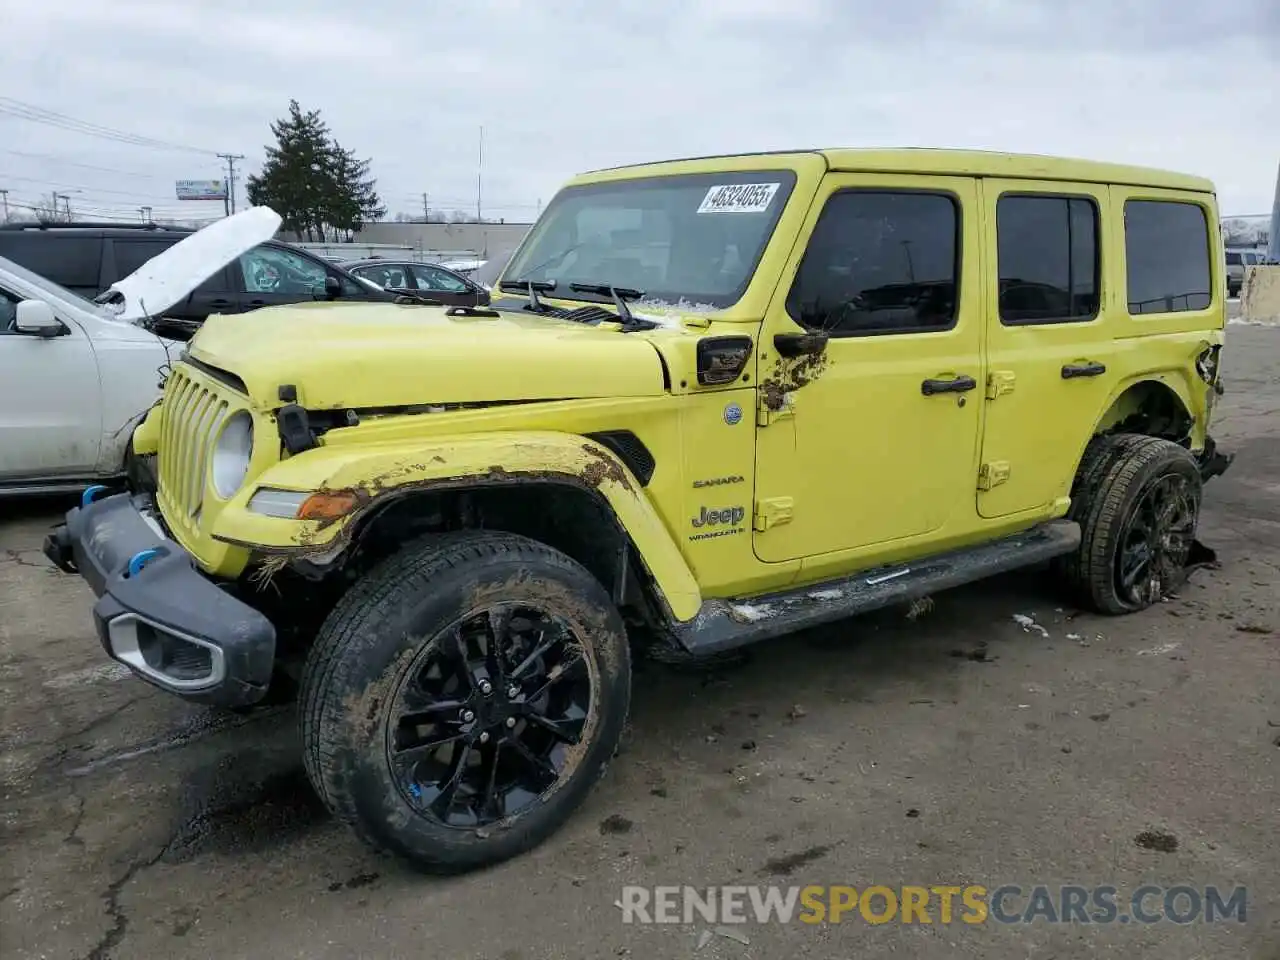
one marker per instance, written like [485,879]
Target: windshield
[693,238]
[46,289]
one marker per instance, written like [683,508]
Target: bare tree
[47,209]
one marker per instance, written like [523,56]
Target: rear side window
[880,262]
[66,259]
[1048,259]
[132,254]
[1234,260]
[1167,249]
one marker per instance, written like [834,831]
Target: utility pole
[1273,241]
[4,195]
[229,204]
[426,211]
[480,175]
[64,197]
[145,213]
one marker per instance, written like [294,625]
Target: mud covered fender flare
[370,473]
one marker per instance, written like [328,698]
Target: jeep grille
[193,413]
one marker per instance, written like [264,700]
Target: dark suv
[89,257]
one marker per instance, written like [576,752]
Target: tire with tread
[366,645]
[1114,474]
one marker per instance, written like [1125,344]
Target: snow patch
[1160,650]
[826,595]
[1028,624]
[749,613]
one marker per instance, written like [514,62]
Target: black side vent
[583,314]
[628,448]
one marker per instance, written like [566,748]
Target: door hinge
[993,474]
[772,512]
[766,415]
[1000,382]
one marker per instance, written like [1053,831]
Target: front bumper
[156,612]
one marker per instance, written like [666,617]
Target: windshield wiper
[532,287]
[620,297]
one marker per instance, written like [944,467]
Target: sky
[561,86]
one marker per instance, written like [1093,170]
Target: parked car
[428,279]
[1237,261]
[716,401]
[487,274]
[87,258]
[76,376]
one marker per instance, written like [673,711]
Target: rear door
[1051,344]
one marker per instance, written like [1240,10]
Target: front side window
[273,270]
[694,238]
[1047,249]
[1234,259]
[1167,252]
[391,276]
[880,262]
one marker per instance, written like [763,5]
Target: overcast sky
[563,86]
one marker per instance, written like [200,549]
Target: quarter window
[880,262]
[1167,252]
[1047,248]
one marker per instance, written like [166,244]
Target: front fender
[375,472]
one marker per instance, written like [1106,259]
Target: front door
[1050,341]
[870,442]
[51,408]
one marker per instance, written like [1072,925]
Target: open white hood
[169,277]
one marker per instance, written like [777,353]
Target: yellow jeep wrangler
[713,401]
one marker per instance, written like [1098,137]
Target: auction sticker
[739,198]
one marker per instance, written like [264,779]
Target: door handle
[257,303]
[220,303]
[1089,368]
[960,384]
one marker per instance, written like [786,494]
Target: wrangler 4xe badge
[729,518]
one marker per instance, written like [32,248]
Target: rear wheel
[462,699]
[1138,505]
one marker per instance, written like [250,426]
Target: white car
[77,376]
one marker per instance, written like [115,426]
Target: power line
[28,111]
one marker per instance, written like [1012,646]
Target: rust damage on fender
[603,467]
[792,374]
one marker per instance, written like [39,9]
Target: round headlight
[231,454]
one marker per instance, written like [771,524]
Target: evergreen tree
[312,182]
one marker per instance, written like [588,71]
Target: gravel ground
[956,748]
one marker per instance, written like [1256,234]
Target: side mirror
[36,318]
[332,286]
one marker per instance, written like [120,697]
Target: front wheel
[461,701]
[1138,507]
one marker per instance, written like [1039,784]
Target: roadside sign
[201,189]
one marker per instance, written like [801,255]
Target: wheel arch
[564,490]
[1153,406]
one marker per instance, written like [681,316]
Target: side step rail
[725,624]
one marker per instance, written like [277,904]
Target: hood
[169,277]
[362,355]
